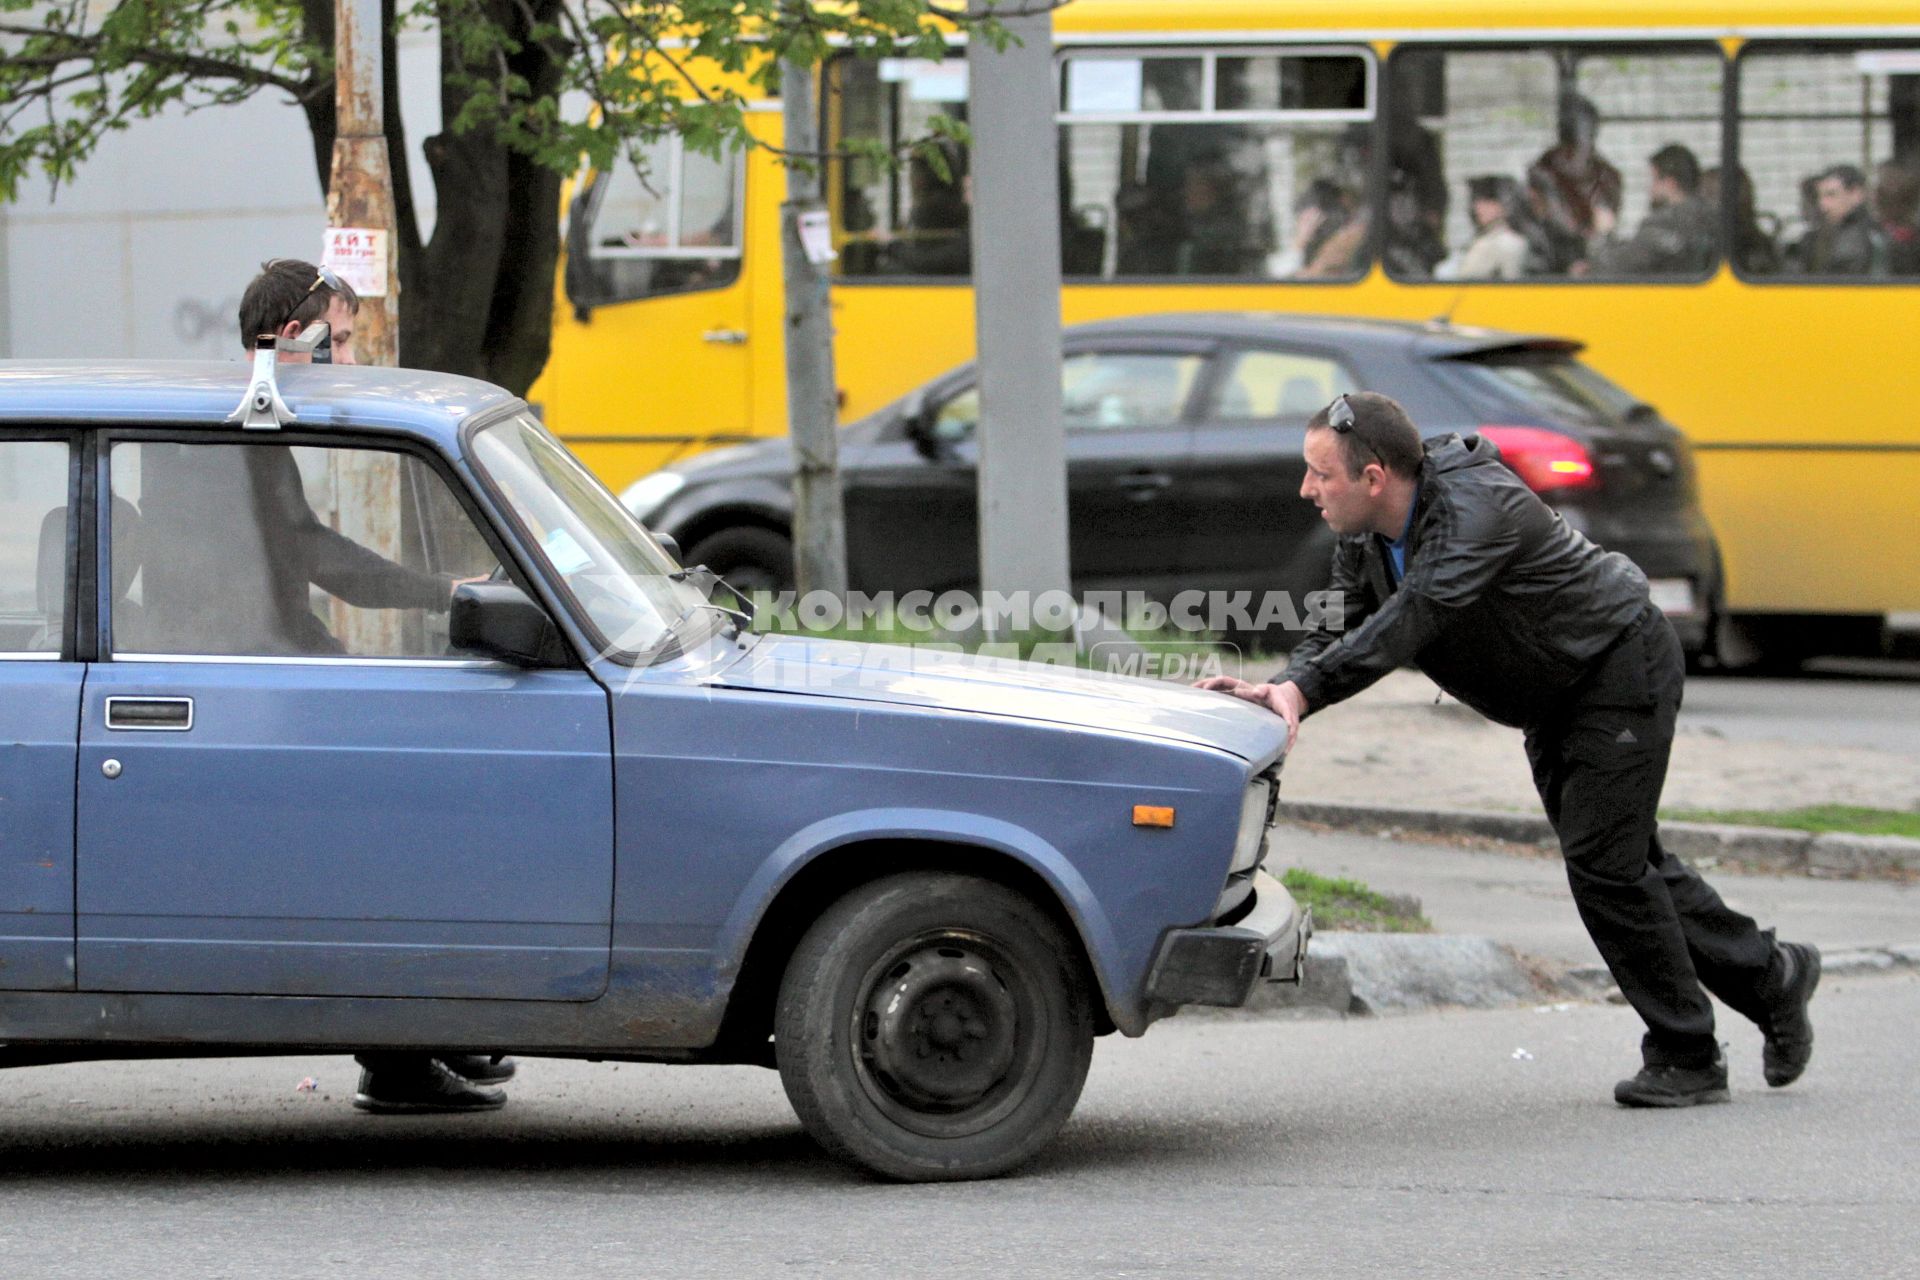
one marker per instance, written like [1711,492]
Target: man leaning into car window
[286,297]
[1446,560]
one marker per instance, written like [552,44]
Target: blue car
[342,709]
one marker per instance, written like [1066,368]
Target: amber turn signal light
[1152,815]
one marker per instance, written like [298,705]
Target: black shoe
[1788,1030]
[426,1089]
[480,1068]
[1663,1085]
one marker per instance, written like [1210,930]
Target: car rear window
[1551,383]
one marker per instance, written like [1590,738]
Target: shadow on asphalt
[456,1151]
[161,1151]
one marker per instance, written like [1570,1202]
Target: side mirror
[497,619]
[669,544]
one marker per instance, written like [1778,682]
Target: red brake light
[1545,459]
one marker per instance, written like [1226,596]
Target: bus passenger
[1572,178]
[1552,249]
[1896,199]
[1848,242]
[1498,251]
[1676,238]
[1754,251]
[1328,230]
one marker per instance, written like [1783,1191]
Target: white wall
[146,253]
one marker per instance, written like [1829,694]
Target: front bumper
[1220,964]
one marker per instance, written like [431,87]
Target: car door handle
[726,337]
[150,714]
[1143,486]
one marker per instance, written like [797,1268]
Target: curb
[1831,854]
[1369,973]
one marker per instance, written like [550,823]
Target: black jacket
[1503,604]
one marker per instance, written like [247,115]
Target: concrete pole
[1016,280]
[813,402]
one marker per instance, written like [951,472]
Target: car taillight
[1546,460]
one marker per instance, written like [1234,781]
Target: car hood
[921,677]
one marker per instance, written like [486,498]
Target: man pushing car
[1446,560]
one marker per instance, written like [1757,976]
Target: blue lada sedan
[340,708]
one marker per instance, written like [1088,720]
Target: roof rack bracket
[262,409]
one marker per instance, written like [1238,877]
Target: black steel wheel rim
[948,1033]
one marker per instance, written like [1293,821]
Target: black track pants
[1600,762]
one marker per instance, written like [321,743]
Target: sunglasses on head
[322,277]
[1340,417]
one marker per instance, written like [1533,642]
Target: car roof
[201,393]
[1436,339]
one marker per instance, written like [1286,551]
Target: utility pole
[813,402]
[360,215]
[360,248]
[1016,282]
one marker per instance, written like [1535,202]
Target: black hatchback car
[1184,436]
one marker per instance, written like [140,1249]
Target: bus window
[673,231]
[1829,143]
[908,219]
[1249,165]
[1571,162]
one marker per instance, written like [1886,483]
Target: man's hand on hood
[1284,700]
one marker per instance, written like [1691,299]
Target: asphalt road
[1834,703]
[1481,1144]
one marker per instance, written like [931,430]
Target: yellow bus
[1305,157]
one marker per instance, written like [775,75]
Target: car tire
[934,1027]
[750,558]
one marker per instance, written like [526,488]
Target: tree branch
[78,48]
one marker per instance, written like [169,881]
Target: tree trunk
[477,298]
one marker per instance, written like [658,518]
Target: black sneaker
[480,1068]
[1664,1085]
[1788,1030]
[427,1088]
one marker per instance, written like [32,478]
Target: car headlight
[1251,843]
[649,493]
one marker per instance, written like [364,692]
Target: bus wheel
[750,558]
[934,1027]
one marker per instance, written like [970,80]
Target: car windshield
[1559,384]
[614,570]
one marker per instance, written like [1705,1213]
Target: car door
[913,507]
[289,784]
[39,711]
[1252,530]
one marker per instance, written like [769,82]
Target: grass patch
[1853,819]
[1348,904]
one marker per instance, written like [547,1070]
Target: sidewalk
[1392,744]
[1505,926]
[1520,899]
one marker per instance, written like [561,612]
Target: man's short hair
[288,289]
[1849,176]
[1382,432]
[1675,162]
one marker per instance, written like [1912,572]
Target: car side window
[1099,391]
[1285,385]
[33,545]
[269,550]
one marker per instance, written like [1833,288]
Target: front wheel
[934,1027]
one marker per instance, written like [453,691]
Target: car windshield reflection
[618,575]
